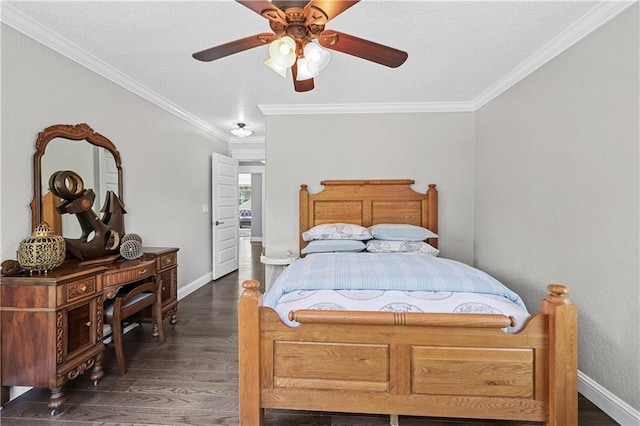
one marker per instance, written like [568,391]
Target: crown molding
[249,139]
[247,154]
[596,17]
[20,22]
[381,108]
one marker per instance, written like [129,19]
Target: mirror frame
[77,132]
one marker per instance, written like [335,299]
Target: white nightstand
[275,264]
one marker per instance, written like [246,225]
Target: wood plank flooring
[192,379]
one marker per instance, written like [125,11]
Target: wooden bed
[419,364]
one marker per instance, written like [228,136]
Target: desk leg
[4,395]
[56,400]
[173,319]
[96,372]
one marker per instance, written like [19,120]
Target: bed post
[563,356]
[432,220]
[251,413]
[303,213]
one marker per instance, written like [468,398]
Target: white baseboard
[616,408]
[255,239]
[186,290]
[16,391]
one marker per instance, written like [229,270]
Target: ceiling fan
[295,24]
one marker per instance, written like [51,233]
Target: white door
[224,213]
[108,175]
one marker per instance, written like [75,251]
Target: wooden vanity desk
[52,325]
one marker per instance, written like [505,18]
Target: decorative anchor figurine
[100,237]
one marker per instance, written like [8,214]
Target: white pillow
[337,231]
[400,232]
[382,246]
[327,246]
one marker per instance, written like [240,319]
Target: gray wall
[556,196]
[166,160]
[427,147]
[256,206]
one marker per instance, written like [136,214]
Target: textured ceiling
[458,52]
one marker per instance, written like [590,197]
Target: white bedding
[391,282]
[401,301]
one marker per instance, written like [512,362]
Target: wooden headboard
[368,202]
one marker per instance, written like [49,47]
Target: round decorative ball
[42,251]
[131,249]
[128,237]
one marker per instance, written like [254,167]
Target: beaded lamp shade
[42,251]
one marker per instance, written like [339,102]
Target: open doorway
[244,205]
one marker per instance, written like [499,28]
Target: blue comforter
[384,271]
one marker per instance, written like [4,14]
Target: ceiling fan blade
[235,46]
[362,48]
[321,11]
[266,9]
[300,85]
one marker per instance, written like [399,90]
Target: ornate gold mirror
[77,148]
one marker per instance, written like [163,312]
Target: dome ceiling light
[240,131]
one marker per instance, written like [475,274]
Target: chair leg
[117,343]
[157,315]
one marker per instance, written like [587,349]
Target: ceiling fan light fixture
[276,68]
[241,132]
[298,34]
[283,51]
[317,57]
[303,70]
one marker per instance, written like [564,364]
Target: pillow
[337,231]
[400,232]
[325,246]
[382,246]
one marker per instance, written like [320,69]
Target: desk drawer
[77,290]
[167,260]
[129,274]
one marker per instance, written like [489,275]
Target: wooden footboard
[442,365]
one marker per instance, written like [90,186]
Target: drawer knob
[142,271]
[82,289]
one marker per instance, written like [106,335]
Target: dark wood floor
[192,379]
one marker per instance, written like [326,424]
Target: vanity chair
[129,304]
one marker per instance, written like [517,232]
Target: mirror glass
[79,149]
[95,165]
